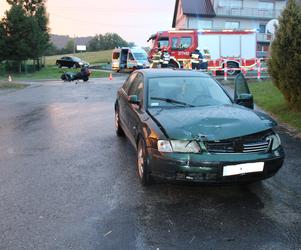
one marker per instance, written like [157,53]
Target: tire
[59,65]
[118,129]
[143,164]
[85,79]
[232,65]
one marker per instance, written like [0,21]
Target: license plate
[243,168]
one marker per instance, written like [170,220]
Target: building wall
[220,23]
[181,22]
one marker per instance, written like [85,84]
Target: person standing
[165,58]
[196,59]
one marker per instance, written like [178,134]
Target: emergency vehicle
[234,49]
[129,59]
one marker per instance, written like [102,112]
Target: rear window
[116,55]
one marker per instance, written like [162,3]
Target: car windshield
[185,92]
[140,56]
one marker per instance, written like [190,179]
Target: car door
[123,99]
[134,111]
[242,94]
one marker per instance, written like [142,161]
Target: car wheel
[143,164]
[232,72]
[118,128]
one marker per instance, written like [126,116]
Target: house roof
[202,8]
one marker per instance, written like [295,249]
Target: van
[129,59]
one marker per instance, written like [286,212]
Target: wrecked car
[186,127]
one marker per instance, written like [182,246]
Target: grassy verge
[90,57]
[9,85]
[267,96]
[52,73]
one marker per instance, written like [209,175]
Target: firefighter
[165,58]
[204,63]
[156,59]
[196,59]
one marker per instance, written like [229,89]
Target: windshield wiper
[169,100]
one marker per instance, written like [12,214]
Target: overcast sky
[134,20]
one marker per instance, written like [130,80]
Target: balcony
[252,13]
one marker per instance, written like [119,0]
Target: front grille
[221,147]
[256,147]
[254,143]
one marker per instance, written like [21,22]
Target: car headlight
[276,142]
[81,63]
[178,146]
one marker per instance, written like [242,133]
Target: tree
[107,41]
[285,61]
[40,35]
[30,6]
[17,26]
[2,43]
[32,25]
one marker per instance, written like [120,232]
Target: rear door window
[116,55]
[137,87]
[126,86]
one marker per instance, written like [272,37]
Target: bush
[285,61]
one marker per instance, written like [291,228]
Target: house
[229,14]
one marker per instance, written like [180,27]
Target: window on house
[265,5]
[204,24]
[237,4]
[232,25]
[262,28]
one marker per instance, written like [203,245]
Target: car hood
[211,122]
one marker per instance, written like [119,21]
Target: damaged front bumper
[209,167]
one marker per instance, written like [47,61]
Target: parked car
[186,127]
[71,62]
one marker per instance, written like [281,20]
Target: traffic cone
[9,78]
[111,77]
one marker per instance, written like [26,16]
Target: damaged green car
[186,127]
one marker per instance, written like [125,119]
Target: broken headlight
[178,146]
[276,142]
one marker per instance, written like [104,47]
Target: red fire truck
[234,49]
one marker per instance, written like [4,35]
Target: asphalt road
[67,182]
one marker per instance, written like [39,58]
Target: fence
[257,70]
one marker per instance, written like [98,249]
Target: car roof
[152,73]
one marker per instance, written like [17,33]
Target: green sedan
[185,127]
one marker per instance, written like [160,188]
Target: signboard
[81,47]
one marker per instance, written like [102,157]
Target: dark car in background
[71,62]
[186,127]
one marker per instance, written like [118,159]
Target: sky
[133,20]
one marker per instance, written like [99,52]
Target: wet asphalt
[67,182]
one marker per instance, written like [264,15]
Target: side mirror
[245,100]
[133,99]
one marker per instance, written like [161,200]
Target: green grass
[90,57]
[52,73]
[11,85]
[267,96]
